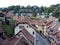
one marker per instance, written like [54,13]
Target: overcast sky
[6,3]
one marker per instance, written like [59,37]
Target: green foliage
[11,7]
[56,12]
[5,10]
[7,29]
[33,9]
[34,14]
[12,23]
[46,16]
[54,9]
[42,9]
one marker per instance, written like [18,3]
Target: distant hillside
[54,9]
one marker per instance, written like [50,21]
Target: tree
[56,12]
[7,29]
[54,9]
[12,23]
[34,14]
[16,8]
[34,9]
[11,7]
[42,9]
[5,10]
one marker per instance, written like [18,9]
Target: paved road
[40,40]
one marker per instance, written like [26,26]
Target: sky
[47,3]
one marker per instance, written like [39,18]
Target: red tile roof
[39,22]
[19,19]
[55,38]
[33,22]
[14,41]
[55,34]
[4,42]
[25,19]
[22,42]
[47,24]
[28,35]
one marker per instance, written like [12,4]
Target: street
[41,41]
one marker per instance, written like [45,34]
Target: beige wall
[40,28]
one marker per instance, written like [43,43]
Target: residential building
[23,22]
[54,32]
[39,25]
[51,18]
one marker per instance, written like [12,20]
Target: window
[21,26]
[33,33]
[27,26]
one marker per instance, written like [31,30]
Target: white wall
[29,29]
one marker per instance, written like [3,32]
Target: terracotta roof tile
[4,42]
[55,33]
[28,35]
[33,22]
[47,24]
[22,42]
[13,40]
[25,19]
[39,22]
[19,41]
